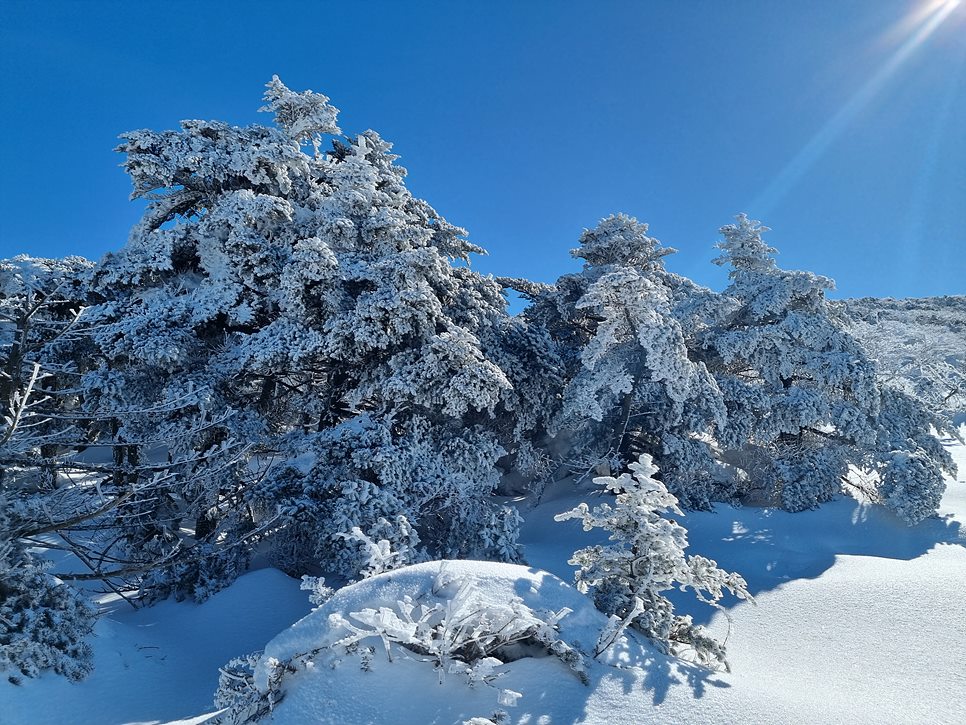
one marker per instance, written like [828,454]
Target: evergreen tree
[43,621]
[632,387]
[274,303]
[803,398]
[629,577]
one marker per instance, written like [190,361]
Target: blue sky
[840,123]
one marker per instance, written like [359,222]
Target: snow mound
[442,641]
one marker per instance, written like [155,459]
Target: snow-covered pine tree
[41,358]
[919,346]
[803,398]
[275,305]
[628,578]
[632,387]
[43,621]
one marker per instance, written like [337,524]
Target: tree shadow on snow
[663,672]
[770,547]
[637,667]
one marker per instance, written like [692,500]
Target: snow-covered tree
[41,301]
[919,346]
[632,386]
[803,398]
[43,621]
[274,305]
[629,577]
[405,482]
[471,622]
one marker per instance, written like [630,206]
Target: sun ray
[816,147]
[911,250]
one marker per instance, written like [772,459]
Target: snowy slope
[859,620]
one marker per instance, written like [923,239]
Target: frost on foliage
[465,634]
[41,303]
[500,533]
[806,478]
[920,349]
[267,297]
[238,696]
[450,373]
[622,240]
[461,619]
[43,621]
[802,394]
[319,593]
[629,576]
[380,556]
[292,355]
[418,488]
[912,460]
[303,116]
[912,485]
[633,386]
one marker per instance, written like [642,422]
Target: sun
[948,6]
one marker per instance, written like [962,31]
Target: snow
[335,691]
[859,619]
[160,663]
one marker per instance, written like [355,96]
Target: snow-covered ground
[160,663]
[859,619]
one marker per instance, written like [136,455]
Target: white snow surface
[859,620]
[405,690]
[160,663]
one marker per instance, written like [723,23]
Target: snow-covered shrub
[919,346]
[911,485]
[647,558]
[205,571]
[497,718]
[466,633]
[424,489]
[500,533]
[465,623]
[800,477]
[380,555]
[319,592]
[43,621]
[237,695]
[911,460]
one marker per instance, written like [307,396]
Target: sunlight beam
[816,147]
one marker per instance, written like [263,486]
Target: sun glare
[911,33]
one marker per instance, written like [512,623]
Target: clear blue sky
[840,123]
